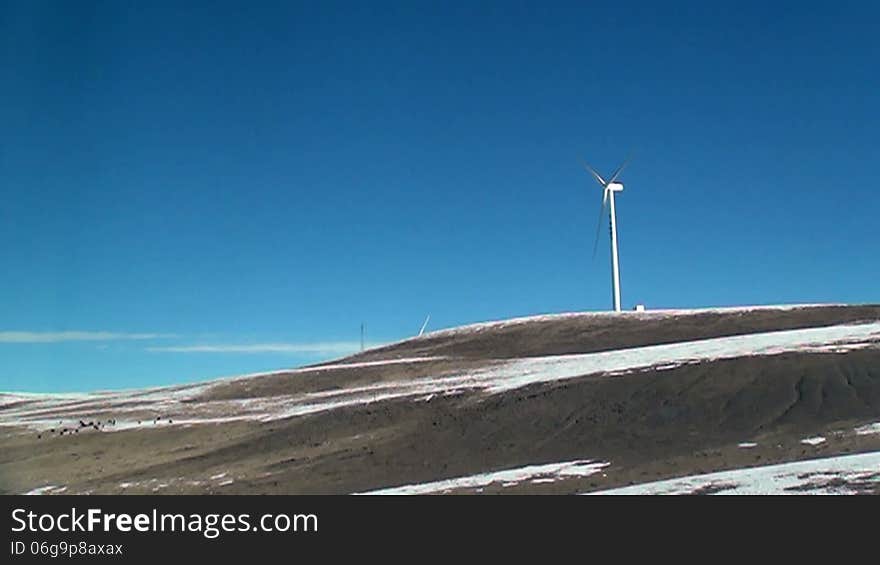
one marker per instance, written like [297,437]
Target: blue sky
[254,180]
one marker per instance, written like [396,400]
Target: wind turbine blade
[421,331]
[593,172]
[620,168]
[599,223]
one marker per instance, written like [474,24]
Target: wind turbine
[609,187]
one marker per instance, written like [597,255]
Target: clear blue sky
[268,175]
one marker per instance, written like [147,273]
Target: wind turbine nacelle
[615,186]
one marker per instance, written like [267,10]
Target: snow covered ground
[849,474]
[868,429]
[541,369]
[509,477]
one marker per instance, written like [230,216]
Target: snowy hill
[565,403]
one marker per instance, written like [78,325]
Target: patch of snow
[813,440]
[48,489]
[868,429]
[507,477]
[747,445]
[522,372]
[832,475]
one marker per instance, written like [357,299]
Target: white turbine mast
[609,187]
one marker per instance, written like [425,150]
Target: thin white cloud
[56,337]
[328,347]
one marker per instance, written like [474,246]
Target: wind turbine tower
[609,188]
